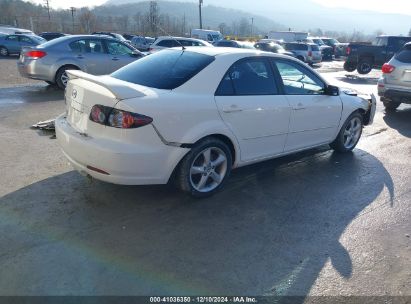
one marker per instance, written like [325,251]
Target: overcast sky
[385,6]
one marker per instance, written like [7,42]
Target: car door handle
[115,58]
[232,109]
[299,107]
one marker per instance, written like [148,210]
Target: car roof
[177,38]
[217,51]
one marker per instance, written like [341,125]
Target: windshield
[318,41]
[216,37]
[119,37]
[380,41]
[166,70]
[38,38]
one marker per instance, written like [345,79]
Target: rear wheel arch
[62,68]
[235,153]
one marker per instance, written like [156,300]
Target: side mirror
[332,90]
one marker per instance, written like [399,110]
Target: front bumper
[142,163]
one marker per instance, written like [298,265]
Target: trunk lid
[83,91]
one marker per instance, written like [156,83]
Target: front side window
[26,39]
[248,77]
[299,81]
[166,70]
[117,48]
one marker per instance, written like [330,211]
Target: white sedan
[194,114]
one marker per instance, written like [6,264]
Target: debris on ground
[44,125]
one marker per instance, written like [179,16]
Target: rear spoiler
[117,87]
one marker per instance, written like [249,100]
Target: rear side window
[167,43]
[397,43]
[78,46]
[404,55]
[12,38]
[166,70]
[296,47]
[248,77]
[226,44]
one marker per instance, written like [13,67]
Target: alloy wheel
[352,133]
[64,78]
[208,169]
[3,51]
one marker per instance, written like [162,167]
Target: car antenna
[167,34]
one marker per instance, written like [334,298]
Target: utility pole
[184,25]
[200,4]
[72,9]
[252,26]
[48,7]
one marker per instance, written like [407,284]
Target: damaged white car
[194,114]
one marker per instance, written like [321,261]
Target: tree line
[146,19]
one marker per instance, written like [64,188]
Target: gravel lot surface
[315,223]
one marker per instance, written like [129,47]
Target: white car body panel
[260,123]
[314,120]
[266,127]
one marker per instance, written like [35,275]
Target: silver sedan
[97,55]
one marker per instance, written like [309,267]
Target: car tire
[204,170]
[364,66]
[4,52]
[61,76]
[349,67]
[391,105]
[349,134]
[301,58]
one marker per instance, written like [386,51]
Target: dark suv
[365,57]
[50,35]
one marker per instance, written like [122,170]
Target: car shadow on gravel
[269,232]
[354,79]
[400,120]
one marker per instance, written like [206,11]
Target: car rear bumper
[34,71]
[397,94]
[143,163]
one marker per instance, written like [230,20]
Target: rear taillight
[35,54]
[348,50]
[310,53]
[118,118]
[388,68]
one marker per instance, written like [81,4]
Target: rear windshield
[315,48]
[404,55]
[165,70]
